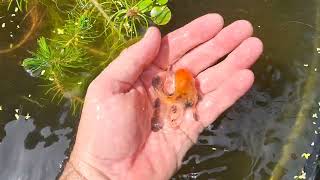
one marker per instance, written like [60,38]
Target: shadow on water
[245,143]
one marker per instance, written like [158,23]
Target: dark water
[245,143]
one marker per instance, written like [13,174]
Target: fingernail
[149,32]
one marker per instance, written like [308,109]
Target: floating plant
[84,37]
[132,15]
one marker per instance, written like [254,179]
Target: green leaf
[145,5]
[162,2]
[160,15]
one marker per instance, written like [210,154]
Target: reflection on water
[41,162]
[245,143]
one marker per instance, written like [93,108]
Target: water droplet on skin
[165,47]
[208,104]
[204,80]
[185,34]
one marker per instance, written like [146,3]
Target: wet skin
[114,137]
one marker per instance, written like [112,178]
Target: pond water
[262,136]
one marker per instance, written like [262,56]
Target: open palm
[115,137]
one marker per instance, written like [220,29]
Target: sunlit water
[245,143]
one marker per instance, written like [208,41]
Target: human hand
[115,140]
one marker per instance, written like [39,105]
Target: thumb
[123,72]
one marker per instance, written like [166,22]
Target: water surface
[245,143]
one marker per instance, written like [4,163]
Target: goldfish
[174,103]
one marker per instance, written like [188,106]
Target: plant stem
[100,9]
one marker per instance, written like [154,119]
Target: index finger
[177,43]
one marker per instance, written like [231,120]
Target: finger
[241,58]
[216,102]
[177,43]
[210,52]
[122,73]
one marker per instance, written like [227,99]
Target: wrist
[77,169]
[85,167]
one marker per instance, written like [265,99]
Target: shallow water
[245,143]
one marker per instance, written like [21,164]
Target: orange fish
[185,89]
[184,95]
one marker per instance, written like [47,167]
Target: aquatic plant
[128,15]
[20,4]
[31,22]
[84,37]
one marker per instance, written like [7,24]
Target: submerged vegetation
[83,37]
[19,3]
